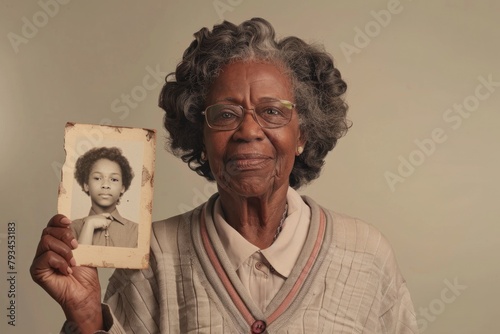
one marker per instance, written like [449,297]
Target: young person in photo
[104,175]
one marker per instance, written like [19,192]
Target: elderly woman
[258,116]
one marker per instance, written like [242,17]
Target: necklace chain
[280,226]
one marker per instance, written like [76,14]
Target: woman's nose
[249,128]
[105,184]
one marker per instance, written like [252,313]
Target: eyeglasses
[270,114]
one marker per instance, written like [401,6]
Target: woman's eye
[227,114]
[224,116]
[114,180]
[272,111]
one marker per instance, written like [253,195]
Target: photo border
[95,136]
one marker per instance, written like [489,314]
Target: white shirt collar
[284,252]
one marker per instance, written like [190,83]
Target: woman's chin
[249,185]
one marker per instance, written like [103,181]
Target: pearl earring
[300,149]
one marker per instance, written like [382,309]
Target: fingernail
[65,221]
[72,262]
[70,271]
[74,243]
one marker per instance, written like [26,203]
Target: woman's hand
[76,289]
[91,224]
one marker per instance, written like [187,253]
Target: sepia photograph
[107,192]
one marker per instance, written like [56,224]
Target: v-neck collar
[228,286]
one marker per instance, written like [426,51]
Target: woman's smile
[251,161]
[247,162]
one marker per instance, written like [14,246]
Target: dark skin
[251,166]
[75,288]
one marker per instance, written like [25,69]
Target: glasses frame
[254,115]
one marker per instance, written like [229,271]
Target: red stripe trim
[303,275]
[235,297]
[238,302]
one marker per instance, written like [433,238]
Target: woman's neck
[256,218]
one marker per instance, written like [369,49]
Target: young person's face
[105,185]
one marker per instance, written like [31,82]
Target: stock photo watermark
[11,273]
[210,188]
[224,178]
[199,197]
[372,29]
[453,117]
[223,6]
[92,138]
[436,307]
[127,102]
[31,26]
[121,106]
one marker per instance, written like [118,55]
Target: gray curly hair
[317,84]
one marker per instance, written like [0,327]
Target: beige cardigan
[345,281]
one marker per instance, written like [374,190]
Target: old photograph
[106,191]
[321,166]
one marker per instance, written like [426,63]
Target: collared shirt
[263,271]
[121,231]
[354,284]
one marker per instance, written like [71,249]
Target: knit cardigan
[346,280]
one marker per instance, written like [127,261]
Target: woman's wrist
[85,319]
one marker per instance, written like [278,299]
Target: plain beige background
[406,71]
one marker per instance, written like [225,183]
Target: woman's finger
[61,233]
[45,265]
[59,220]
[49,243]
[56,236]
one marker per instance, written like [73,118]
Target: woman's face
[105,185]
[251,161]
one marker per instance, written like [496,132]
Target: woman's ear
[301,143]
[203,154]
[86,188]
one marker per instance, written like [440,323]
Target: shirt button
[258,265]
[258,327]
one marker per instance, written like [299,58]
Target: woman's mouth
[246,162]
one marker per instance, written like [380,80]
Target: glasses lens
[222,116]
[269,114]
[274,114]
